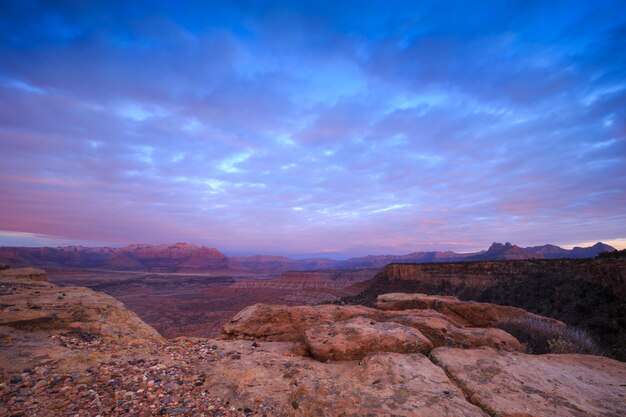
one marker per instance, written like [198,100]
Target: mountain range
[189,257]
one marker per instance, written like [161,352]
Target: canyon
[186,290]
[586,293]
[184,257]
[74,351]
[197,304]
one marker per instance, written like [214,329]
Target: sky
[337,128]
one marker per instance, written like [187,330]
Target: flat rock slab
[513,384]
[353,339]
[273,380]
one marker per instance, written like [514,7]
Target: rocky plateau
[75,351]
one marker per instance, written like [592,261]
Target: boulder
[33,274]
[513,384]
[467,313]
[353,339]
[284,323]
[290,323]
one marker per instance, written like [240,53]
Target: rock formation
[175,257]
[180,257]
[467,313]
[394,374]
[70,350]
[285,323]
[33,310]
[586,293]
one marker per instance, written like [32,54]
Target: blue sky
[337,128]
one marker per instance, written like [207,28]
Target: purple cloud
[310,128]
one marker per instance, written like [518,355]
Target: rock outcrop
[393,373]
[353,339]
[571,291]
[72,351]
[34,312]
[290,324]
[274,380]
[467,313]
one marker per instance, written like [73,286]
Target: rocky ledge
[73,351]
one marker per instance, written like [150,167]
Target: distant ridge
[185,257]
[509,252]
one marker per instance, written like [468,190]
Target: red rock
[467,313]
[353,339]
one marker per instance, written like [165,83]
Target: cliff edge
[74,351]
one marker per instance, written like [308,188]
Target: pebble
[127,386]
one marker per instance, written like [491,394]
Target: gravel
[156,379]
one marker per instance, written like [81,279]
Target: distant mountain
[169,258]
[504,252]
[378,261]
[186,257]
[508,252]
[591,251]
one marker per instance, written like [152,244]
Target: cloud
[306,127]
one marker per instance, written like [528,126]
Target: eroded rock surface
[289,323]
[353,339]
[72,351]
[511,384]
[33,312]
[278,382]
[467,313]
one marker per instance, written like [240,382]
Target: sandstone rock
[35,312]
[353,339]
[513,384]
[284,323]
[467,313]
[277,382]
[289,323]
[34,274]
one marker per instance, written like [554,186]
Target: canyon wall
[586,293]
[471,279]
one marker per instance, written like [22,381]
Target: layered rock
[463,312]
[392,375]
[325,360]
[309,287]
[178,256]
[285,323]
[33,312]
[469,280]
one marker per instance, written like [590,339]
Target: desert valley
[287,208]
[213,335]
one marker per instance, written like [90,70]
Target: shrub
[542,336]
